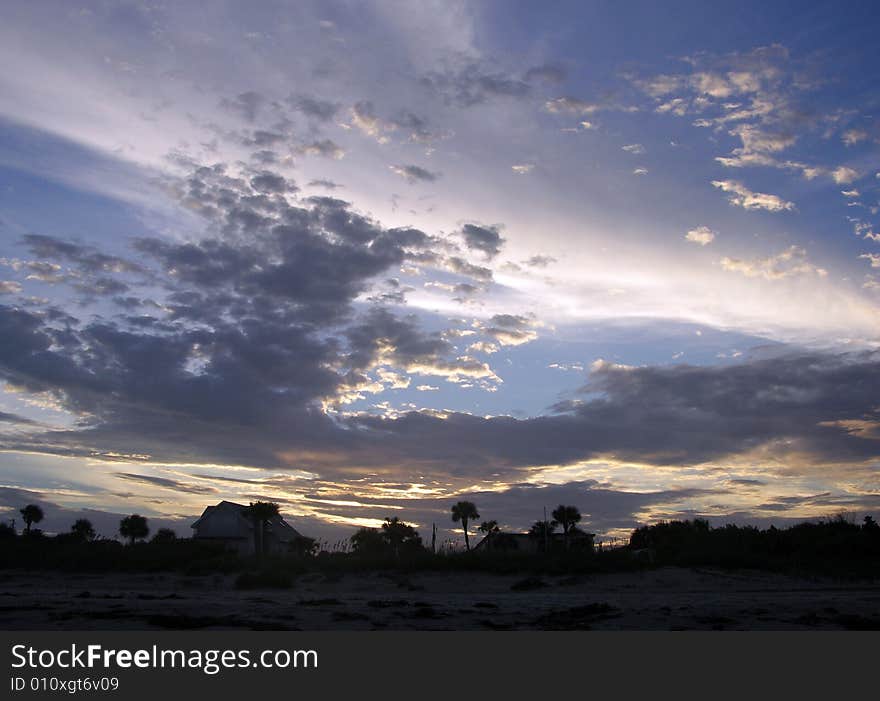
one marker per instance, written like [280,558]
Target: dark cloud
[167,483]
[256,330]
[314,108]
[326,184]
[548,72]
[265,157]
[381,331]
[417,127]
[678,415]
[247,104]
[14,418]
[482,238]
[262,138]
[272,183]
[87,258]
[414,174]
[413,127]
[459,265]
[474,84]
[539,261]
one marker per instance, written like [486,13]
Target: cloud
[635,149]
[570,105]
[322,147]
[670,415]
[548,73]
[413,174]
[326,184]
[474,83]
[764,97]
[272,183]
[539,261]
[458,265]
[166,483]
[240,364]
[677,106]
[872,258]
[314,108]
[363,117]
[247,104]
[523,169]
[382,339]
[640,171]
[844,175]
[511,329]
[789,263]
[9,418]
[740,196]
[483,347]
[712,84]
[851,137]
[756,139]
[659,85]
[87,258]
[701,235]
[8,287]
[485,239]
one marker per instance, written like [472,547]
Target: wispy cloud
[790,262]
[740,196]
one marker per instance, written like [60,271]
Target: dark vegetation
[836,546]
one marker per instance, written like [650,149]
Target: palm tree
[134,527]
[465,511]
[31,514]
[543,531]
[490,528]
[261,512]
[567,516]
[82,530]
[399,534]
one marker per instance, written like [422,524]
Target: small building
[528,544]
[227,523]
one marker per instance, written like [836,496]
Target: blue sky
[367,259]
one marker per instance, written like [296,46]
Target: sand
[662,599]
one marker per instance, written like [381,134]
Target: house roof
[281,529]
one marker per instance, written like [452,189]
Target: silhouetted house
[229,524]
[528,544]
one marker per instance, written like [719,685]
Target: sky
[369,259]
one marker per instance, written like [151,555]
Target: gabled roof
[281,529]
[224,505]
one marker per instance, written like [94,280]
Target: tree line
[132,528]
[393,535]
[833,545]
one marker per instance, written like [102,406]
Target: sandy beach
[662,599]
